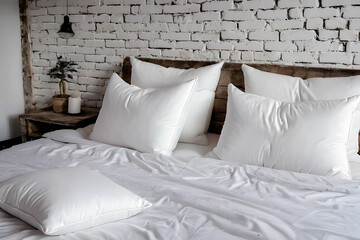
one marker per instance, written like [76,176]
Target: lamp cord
[67,7]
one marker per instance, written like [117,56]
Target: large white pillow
[64,200]
[276,86]
[148,120]
[306,137]
[290,89]
[340,88]
[148,75]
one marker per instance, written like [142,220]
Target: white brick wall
[300,32]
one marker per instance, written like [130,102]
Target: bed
[195,196]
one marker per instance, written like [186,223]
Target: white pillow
[148,120]
[148,75]
[290,89]
[340,88]
[276,86]
[64,200]
[306,137]
[334,88]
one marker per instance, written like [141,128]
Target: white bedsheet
[194,150]
[355,170]
[181,150]
[194,198]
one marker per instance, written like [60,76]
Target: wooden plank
[23,128]
[87,115]
[221,92]
[37,122]
[126,70]
[26,56]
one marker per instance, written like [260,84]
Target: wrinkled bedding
[193,198]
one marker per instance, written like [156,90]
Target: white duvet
[194,198]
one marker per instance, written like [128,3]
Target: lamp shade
[66,29]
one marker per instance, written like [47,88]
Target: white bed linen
[354,169]
[195,150]
[195,198]
[181,150]
[354,166]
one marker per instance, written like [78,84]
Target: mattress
[193,197]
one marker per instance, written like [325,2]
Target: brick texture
[300,32]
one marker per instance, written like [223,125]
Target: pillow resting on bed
[307,137]
[149,75]
[148,120]
[340,88]
[64,200]
[291,89]
[276,86]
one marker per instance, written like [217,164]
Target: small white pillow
[148,120]
[149,75]
[340,88]
[275,86]
[63,200]
[307,137]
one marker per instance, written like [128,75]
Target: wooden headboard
[232,73]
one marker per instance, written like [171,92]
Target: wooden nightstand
[35,124]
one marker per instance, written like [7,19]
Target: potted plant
[62,71]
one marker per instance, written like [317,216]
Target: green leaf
[62,69]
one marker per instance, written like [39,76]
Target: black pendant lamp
[66,29]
